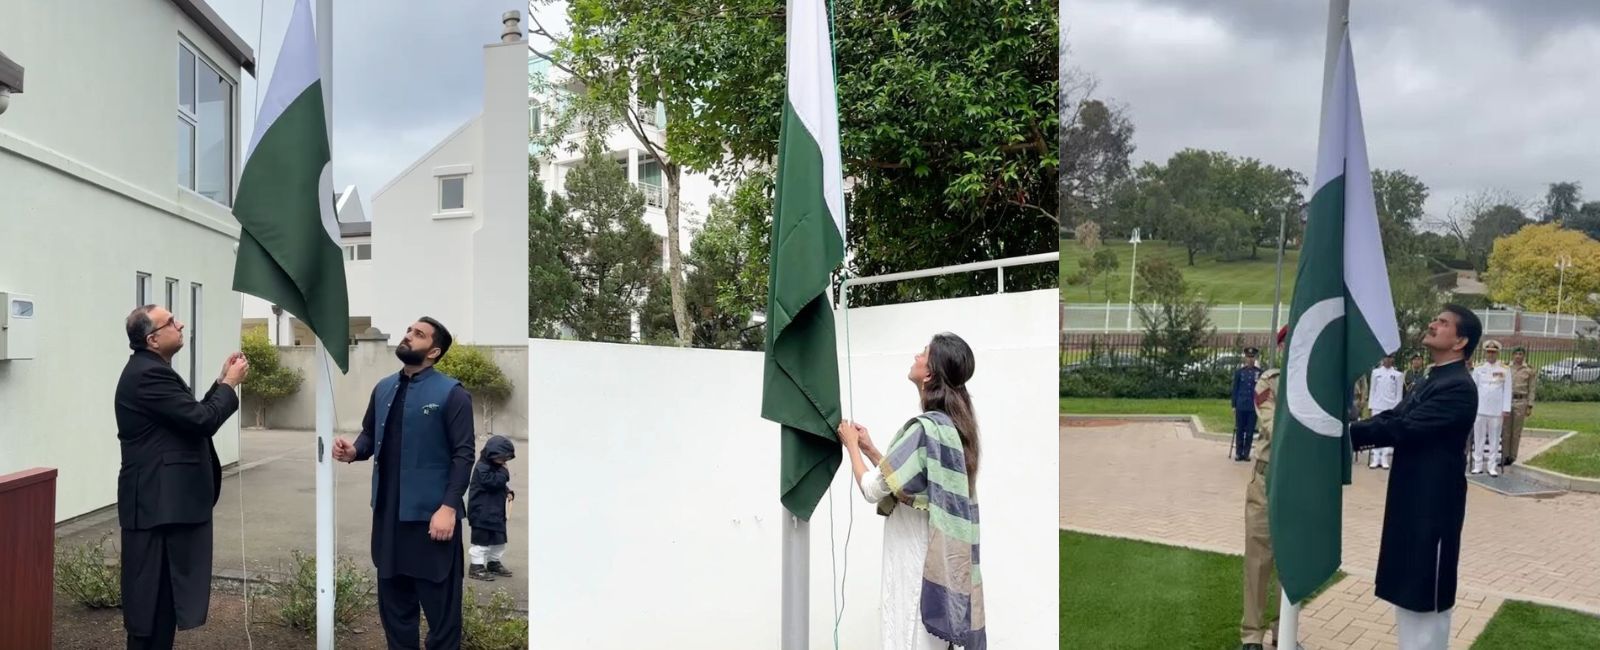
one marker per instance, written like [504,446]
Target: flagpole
[796,624]
[325,547]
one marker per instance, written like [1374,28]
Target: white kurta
[905,549]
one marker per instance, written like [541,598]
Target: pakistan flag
[1341,323]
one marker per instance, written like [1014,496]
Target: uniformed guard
[1524,383]
[1493,379]
[1414,374]
[1244,404]
[1259,586]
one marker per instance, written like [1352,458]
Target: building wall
[676,474]
[467,267]
[88,198]
[370,362]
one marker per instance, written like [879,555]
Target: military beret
[1520,349]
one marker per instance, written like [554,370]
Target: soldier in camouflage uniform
[1259,586]
[1524,383]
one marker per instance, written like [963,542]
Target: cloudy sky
[1465,94]
[406,74]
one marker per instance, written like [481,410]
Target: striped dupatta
[926,468]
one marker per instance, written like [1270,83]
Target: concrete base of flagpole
[796,624]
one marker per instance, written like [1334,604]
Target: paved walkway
[1155,481]
[276,501]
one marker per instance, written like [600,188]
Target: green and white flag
[1341,323]
[289,251]
[801,386]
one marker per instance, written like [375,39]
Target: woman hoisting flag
[932,588]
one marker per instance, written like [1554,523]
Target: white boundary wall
[655,480]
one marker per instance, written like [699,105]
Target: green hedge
[1146,383]
[1566,391]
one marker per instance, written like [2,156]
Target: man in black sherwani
[1427,500]
[169,481]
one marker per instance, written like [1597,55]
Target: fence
[1224,351]
[1242,318]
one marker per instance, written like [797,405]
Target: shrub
[354,594]
[475,368]
[1566,391]
[269,380]
[493,626]
[1144,382]
[85,577]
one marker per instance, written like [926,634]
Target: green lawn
[1247,281]
[1520,625]
[1118,593]
[1579,456]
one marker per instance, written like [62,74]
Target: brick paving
[1155,481]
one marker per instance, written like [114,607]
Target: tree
[1561,202]
[1087,235]
[1522,268]
[269,380]
[1400,199]
[614,257]
[1176,323]
[1490,225]
[728,262]
[1587,220]
[1105,263]
[475,368]
[1096,143]
[1466,217]
[551,286]
[948,118]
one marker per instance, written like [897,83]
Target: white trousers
[1486,440]
[1380,456]
[1423,630]
[482,555]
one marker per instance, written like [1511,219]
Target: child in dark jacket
[489,494]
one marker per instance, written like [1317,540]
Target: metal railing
[998,266]
[1242,318]
[654,195]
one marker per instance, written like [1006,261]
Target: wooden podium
[27,558]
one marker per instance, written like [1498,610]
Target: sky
[1468,95]
[406,74]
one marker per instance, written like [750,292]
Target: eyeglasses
[170,323]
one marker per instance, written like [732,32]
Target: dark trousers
[398,600]
[1244,432]
[165,628]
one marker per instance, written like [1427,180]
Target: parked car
[1119,359]
[1582,370]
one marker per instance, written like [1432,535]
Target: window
[194,333]
[356,252]
[205,128]
[535,121]
[172,295]
[650,184]
[452,193]
[142,289]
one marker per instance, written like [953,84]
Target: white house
[355,235]
[116,176]
[548,88]
[450,233]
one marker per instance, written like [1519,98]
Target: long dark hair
[950,365]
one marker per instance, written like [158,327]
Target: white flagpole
[796,583]
[325,547]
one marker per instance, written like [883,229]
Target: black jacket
[486,496]
[170,472]
[1427,499]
